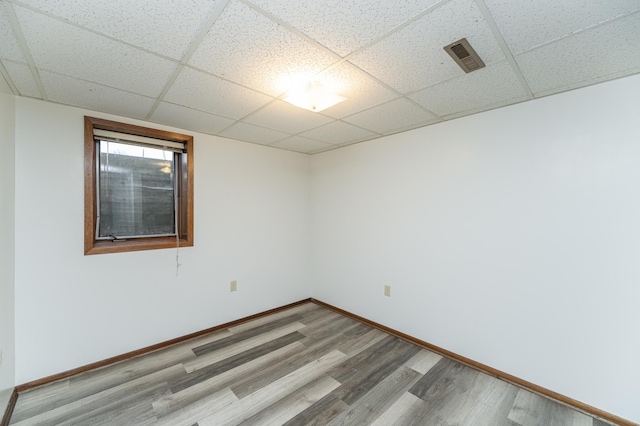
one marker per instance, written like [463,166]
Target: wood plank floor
[303,366]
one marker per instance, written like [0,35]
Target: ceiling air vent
[464,55]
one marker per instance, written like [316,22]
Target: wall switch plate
[387,290]
[233,286]
[0,355]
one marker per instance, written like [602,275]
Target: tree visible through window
[138,188]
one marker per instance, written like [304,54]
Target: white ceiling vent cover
[464,55]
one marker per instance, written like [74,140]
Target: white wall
[251,225]
[7,221]
[511,237]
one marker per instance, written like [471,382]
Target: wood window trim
[93,246]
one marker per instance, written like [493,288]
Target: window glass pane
[136,191]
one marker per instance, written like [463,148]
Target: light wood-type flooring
[306,365]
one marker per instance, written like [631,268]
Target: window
[138,188]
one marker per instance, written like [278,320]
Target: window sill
[138,244]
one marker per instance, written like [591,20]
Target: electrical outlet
[387,290]
[233,286]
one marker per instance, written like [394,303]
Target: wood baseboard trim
[143,351]
[596,412]
[10,406]
[452,355]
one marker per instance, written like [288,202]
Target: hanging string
[178,264]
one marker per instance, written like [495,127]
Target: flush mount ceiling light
[314,97]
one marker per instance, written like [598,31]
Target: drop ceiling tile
[488,107]
[414,57]
[198,90]
[532,23]
[4,86]
[65,49]
[391,117]
[255,134]
[325,149]
[85,94]
[344,25]
[9,48]
[361,91]
[21,77]
[338,133]
[246,47]
[189,119]
[164,26]
[285,117]
[482,88]
[610,50]
[300,144]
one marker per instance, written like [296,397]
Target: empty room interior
[458,180]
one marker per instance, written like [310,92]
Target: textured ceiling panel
[285,117]
[608,51]
[246,47]
[201,91]
[21,76]
[9,47]
[84,94]
[393,116]
[339,133]
[4,86]
[414,58]
[361,90]
[304,145]
[484,88]
[223,67]
[488,107]
[92,57]
[189,119]
[164,26]
[532,23]
[344,25]
[255,134]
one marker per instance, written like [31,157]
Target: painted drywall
[7,222]
[251,225]
[511,237]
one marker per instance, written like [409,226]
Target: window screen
[136,190]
